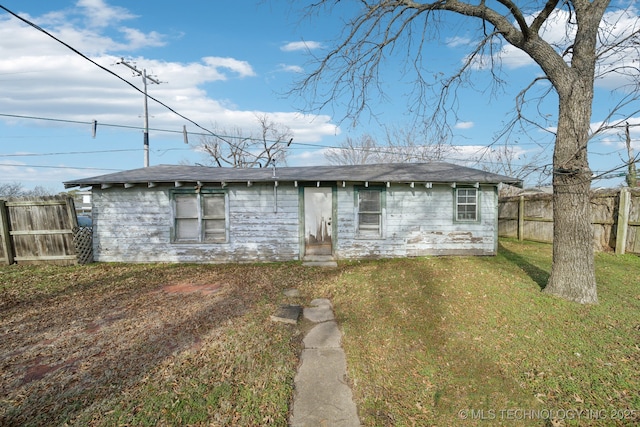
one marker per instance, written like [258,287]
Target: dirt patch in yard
[66,351]
[188,288]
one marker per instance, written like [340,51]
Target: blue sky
[220,64]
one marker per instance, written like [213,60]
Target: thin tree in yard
[354,151]
[401,145]
[15,189]
[235,148]
[595,43]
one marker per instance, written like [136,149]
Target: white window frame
[458,203]
[368,232]
[200,217]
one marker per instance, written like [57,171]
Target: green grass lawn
[466,341]
[429,341]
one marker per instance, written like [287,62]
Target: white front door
[318,211]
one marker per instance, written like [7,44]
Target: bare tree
[592,47]
[355,151]
[12,189]
[409,144]
[16,189]
[401,145]
[506,159]
[235,148]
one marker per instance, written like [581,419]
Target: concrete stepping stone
[287,313]
[321,310]
[322,396]
[323,335]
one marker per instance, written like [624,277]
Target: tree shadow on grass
[540,276]
[69,355]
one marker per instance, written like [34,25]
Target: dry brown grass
[426,340]
[145,345]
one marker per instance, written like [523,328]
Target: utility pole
[632,175]
[145,77]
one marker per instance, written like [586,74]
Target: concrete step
[319,261]
[322,396]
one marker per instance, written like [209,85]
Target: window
[369,206]
[200,217]
[466,204]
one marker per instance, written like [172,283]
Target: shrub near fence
[615,216]
[36,231]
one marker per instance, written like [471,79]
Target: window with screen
[370,208]
[466,204]
[199,217]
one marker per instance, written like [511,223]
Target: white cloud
[616,136]
[48,177]
[242,68]
[92,28]
[457,41]
[301,45]
[475,155]
[309,158]
[137,39]
[291,68]
[43,78]
[464,125]
[100,15]
[616,26]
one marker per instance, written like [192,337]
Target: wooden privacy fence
[615,216]
[45,230]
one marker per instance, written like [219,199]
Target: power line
[31,24]
[300,144]
[65,153]
[91,123]
[58,167]
[209,132]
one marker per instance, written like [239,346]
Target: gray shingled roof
[435,172]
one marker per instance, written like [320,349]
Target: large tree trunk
[573,271]
[573,268]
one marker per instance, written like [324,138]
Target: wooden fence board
[6,250]
[633,233]
[536,221]
[38,231]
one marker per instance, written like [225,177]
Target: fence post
[623,220]
[521,219]
[71,211]
[5,237]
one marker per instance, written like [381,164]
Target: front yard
[429,341]
[109,344]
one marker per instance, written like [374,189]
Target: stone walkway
[322,396]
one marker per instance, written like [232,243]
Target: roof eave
[154,183]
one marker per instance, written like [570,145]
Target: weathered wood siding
[419,221]
[134,225]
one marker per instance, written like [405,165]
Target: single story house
[171,213]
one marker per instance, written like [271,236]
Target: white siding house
[216,215]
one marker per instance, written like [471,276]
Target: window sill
[198,243]
[368,237]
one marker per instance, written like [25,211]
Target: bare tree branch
[235,149]
[590,49]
